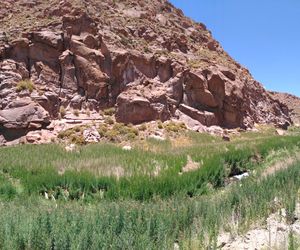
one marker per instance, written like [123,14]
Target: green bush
[32,224]
[62,111]
[7,191]
[109,111]
[25,85]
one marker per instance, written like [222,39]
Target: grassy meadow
[102,197]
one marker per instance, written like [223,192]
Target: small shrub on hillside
[76,112]
[118,132]
[70,132]
[109,111]
[125,129]
[112,135]
[25,85]
[147,50]
[102,130]
[77,139]
[64,134]
[174,126]
[109,120]
[143,127]
[160,125]
[62,111]
[131,136]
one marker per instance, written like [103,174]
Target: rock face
[143,57]
[293,104]
[20,117]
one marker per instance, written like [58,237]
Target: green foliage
[7,191]
[34,224]
[109,120]
[174,126]
[109,111]
[119,132]
[89,208]
[25,85]
[73,135]
[143,127]
[160,125]
[76,112]
[62,111]
[71,131]
[39,166]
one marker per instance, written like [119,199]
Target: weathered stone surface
[134,109]
[20,114]
[68,74]
[49,38]
[39,137]
[204,117]
[2,140]
[190,123]
[91,135]
[98,55]
[292,104]
[49,101]
[91,79]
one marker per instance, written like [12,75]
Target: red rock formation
[144,57]
[293,104]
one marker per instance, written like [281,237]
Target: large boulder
[91,79]
[22,113]
[197,93]
[135,109]
[204,117]
[68,76]
[21,116]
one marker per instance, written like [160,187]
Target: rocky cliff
[143,57]
[293,104]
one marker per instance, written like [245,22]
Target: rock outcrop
[293,104]
[143,57]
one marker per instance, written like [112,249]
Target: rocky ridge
[293,104]
[145,58]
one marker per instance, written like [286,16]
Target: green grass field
[102,197]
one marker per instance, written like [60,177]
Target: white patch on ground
[274,235]
[190,165]
[241,176]
[70,148]
[126,148]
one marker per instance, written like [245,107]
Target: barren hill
[143,57]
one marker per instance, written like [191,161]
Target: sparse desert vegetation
[25,85]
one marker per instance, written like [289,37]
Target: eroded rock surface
[143,57]
[293,104]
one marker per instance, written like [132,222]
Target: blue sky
[263,35]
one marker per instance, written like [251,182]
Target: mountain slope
[293,104]
[143,57]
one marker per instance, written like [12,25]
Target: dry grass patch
[26,84]
[281,165]
[190,165]
[181,142]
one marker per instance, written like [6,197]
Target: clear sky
[262,35]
